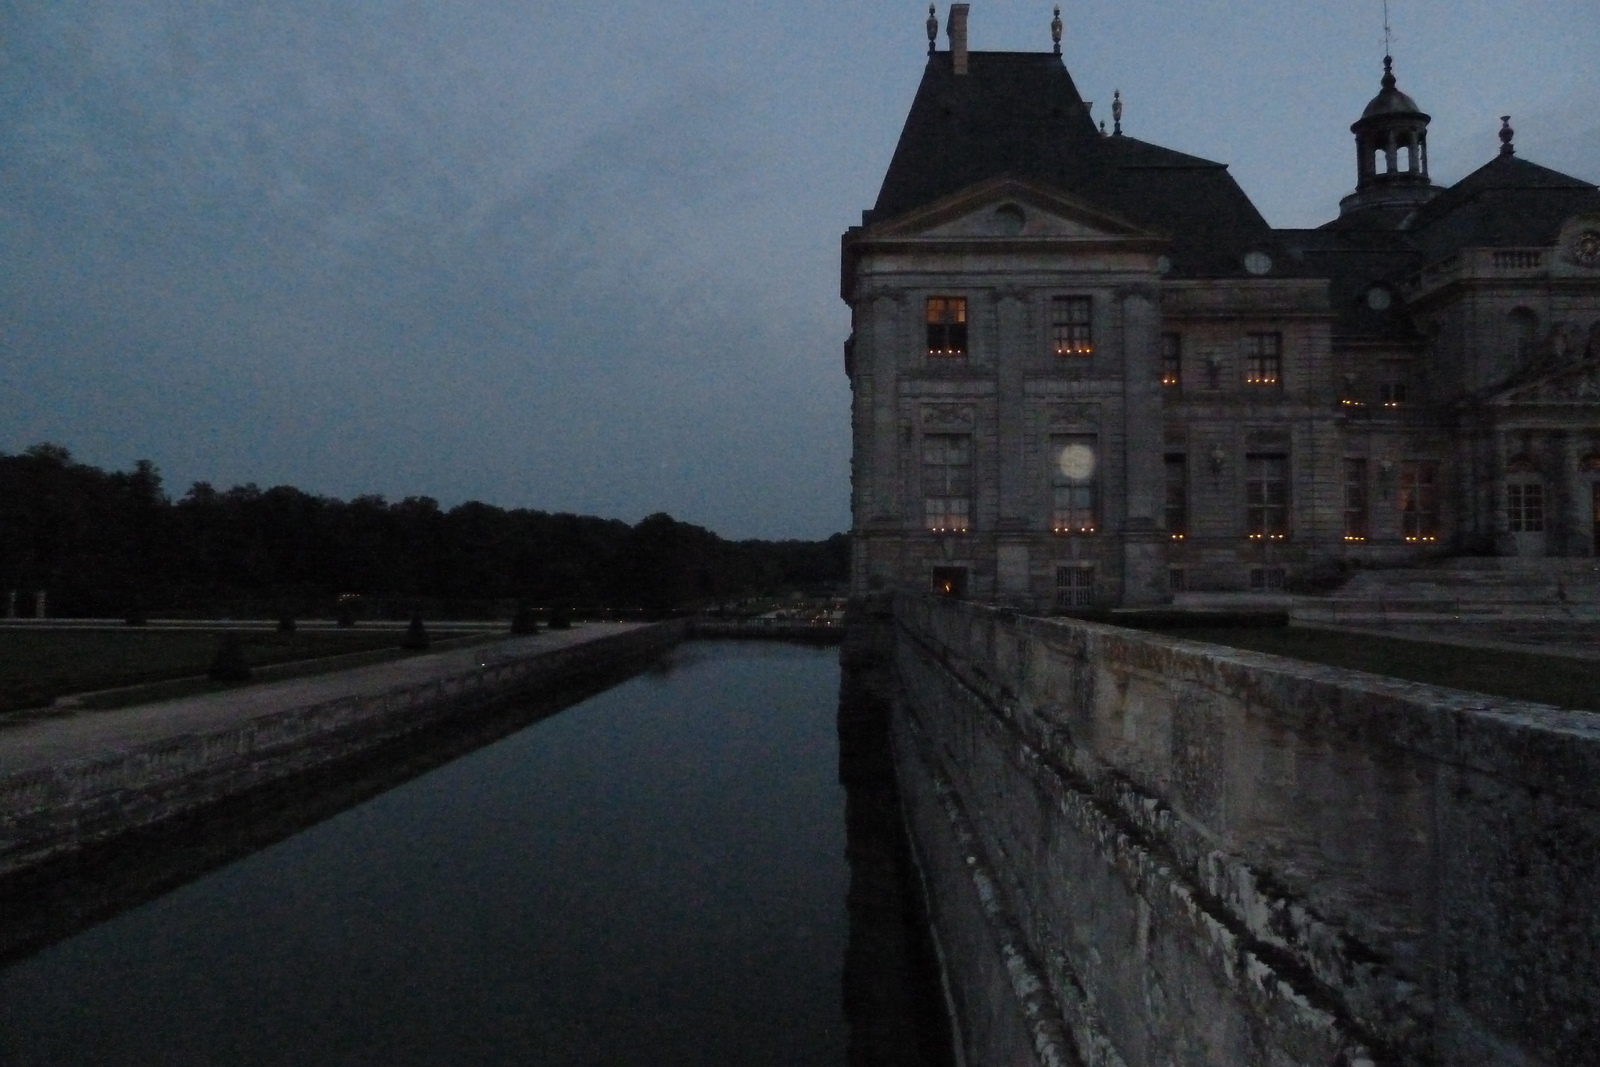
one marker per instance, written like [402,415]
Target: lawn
[1564,682]
[37,666]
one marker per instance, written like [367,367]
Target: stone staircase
[1518,601]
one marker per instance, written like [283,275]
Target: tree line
[113,543]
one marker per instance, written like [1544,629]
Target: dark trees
[113,544]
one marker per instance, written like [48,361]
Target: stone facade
[1086,373]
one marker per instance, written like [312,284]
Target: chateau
[1086,372]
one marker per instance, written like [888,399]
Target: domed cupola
[1391,152]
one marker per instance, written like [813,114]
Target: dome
[1390,101]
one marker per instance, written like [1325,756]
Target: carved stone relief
[954,417]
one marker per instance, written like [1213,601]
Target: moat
[657,874]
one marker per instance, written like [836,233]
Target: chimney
[956,27]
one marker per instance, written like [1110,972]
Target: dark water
[654,876]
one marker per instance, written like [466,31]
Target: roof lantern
[1391,151]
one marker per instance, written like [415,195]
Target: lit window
[1074,588]
[1419,500]
[947,482]
[1392,389]
[1070,318]
[1263,358]
[1267,497]
[1355,500]
[1177,507]
[1172,359]
[947,326]
[1525,507]
[1074,473]
[950,581]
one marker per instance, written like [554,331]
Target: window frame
[1263,359]
[1072,326]
[947,483]
[1525,506]
[1175,501]
[1267,511]
[1417,499]
[1074,503]
[1074,586]
[1171,360]
[1357,494]
[947,320]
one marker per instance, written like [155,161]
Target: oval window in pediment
[1009,219]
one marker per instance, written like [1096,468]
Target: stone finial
[1102,127]
[1116,112]
[1055,29]
[1388,72]
[933,28]
[1506,136]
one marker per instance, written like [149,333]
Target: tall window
[1073,477]
[1392,387]
[1177,510]
[1074,588]
[947,326]
[1172,360]
[947,482]
[1525,506]
[1356,519]
[1266,496]
[1070,322]
[1419,500]
[1263,358]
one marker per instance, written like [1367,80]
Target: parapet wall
[55,810]
[1147,851]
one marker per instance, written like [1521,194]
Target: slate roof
[1508,202]
[1354,261]
[1018,114]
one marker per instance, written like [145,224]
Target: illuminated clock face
[1586,249]
[1076,462]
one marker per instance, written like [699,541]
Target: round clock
[1379,298]
[1076,463]
[1586,248]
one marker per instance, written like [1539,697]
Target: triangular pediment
[1012,209]
[1568,385]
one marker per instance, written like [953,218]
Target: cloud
[265,250]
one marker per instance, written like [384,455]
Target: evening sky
[585,258]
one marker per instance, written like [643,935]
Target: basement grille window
[1074,588]
[1266,579]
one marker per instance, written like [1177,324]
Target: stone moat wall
[1144,851]
[57,810]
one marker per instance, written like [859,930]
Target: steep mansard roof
[1018,114]
[1507,202]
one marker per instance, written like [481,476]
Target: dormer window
[1072,326]
[947,326]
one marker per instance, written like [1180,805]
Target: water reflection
[657,875]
